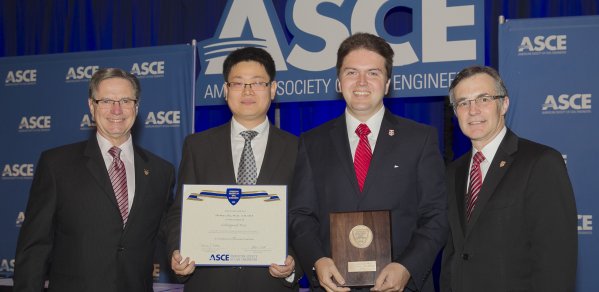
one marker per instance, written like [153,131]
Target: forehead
[115,84]
[363,58]
[248,69]
[475,85]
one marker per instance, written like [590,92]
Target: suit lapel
[340,142]
[461,176]
[143,173]
[97,168]
[221,149]
[385,143]
[499,166]
[274,153]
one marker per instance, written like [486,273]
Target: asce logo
[567,104]
[35,124]
[17,171]
[219,257]
[7,265]
[585,224]
[21,77]
[87,123]
[163,119]
[81,73]
[541,45]
[148,69]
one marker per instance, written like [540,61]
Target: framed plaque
[360,245]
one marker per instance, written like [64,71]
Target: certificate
[234,225]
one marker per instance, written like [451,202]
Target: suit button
[465,256]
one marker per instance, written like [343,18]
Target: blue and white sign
[438,40]
[550,68]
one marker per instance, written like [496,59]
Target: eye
[463,103]
[374,73]
[484,99]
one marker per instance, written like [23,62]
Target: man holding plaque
[511,206]
[368,160]
[221,156]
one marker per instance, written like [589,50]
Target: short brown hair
[369,42]
[106,73]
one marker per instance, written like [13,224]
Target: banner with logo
[551,69]
[432,41]
[43,104]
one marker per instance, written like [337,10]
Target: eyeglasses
[106,103]
[256,86]
[482,100]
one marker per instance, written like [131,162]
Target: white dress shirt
[374,123]
[126,156]
[258,143]
[489,152]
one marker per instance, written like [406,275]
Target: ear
[273,89]
[92,110]
[338,85]
[225,90]
[505,105]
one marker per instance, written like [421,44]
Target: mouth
[475,123]
[120,120]
[361,92]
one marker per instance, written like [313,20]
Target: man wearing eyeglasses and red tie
[511,206]
[221,156]
[95,207]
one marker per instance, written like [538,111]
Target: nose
[247,89]
[362,79]
[116,107]
[473,107]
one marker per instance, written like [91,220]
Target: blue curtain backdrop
[31,27]
[56,26]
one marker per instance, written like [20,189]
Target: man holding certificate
[369,160]
[248,150]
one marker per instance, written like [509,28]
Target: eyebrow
[479,95]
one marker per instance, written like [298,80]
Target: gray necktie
[247,172]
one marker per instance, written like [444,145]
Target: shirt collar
[490,149]
[126,148]
[237,128]
[373,123]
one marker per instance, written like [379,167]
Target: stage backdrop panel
[43,104]
[432,41]
[551,69]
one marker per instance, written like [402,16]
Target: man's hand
[181,268]
[282,271]
[393,277]
[327,271]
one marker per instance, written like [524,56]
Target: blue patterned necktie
[247,173]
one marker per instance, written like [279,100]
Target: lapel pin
[146,171]
[391,132]
[502,163]
[395,166]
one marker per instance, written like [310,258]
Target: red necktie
[476,181]
[118,178]
[363,155]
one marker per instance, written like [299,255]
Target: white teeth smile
[361,92]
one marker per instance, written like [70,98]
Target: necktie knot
[479,157]
[362,130]
[248,135]
[115,152]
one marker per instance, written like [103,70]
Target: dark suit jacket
[73,228]
[405,176]
[522,235]
[207,159]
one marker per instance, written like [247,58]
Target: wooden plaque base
[360,245]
